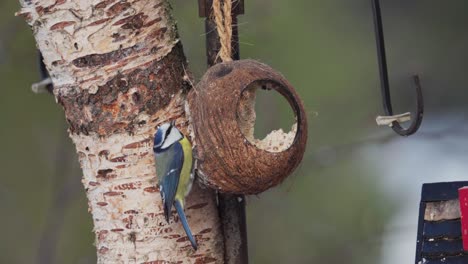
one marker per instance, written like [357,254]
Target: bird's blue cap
[161,133]
[158,138]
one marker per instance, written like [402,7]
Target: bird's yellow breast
[185,181]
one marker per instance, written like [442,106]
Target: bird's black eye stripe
[168,131]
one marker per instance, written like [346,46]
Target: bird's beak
[173,123]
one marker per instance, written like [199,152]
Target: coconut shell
[227,159]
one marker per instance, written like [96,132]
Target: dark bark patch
[156,85]
[154,49]
[151,189]
[118,8]
[152,22]
[104,153]
[171,236]
[136,97]
[103,173]
[112,193]
[102,234]
[128,186]
[204,260]
[203,239]
[92,183]
[128,221]
[157,33]
[117,37]
[41,10]
[132,237]
[206,230]
[132,22]
[48,9]
[57,62]
[94,60]
[160,262]
[60,2]
[167,230]
[62,25]
[103,4]
[100,21]
[182,239]
[101,203]
[138,144]
[103,250]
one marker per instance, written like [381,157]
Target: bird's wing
[170,164]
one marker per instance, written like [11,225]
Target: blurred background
[356,195]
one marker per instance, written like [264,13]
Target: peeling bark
[118,71]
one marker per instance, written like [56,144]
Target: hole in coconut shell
[265,117]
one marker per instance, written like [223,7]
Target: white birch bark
[118,71]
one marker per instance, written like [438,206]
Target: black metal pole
[382,58]
[231,207]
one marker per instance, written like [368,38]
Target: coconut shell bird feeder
[222,114]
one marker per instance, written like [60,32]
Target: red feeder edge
[463,198]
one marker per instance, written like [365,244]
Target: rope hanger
[223,19]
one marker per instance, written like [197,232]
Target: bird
[174,169]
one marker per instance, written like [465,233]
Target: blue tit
[173,155]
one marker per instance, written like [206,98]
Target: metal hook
[384,83]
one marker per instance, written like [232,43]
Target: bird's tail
[183,219]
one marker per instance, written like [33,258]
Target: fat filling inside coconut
[276,140]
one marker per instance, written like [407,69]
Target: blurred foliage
[332,209]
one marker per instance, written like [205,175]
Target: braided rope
[223,21]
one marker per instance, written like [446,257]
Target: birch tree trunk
[118,70]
